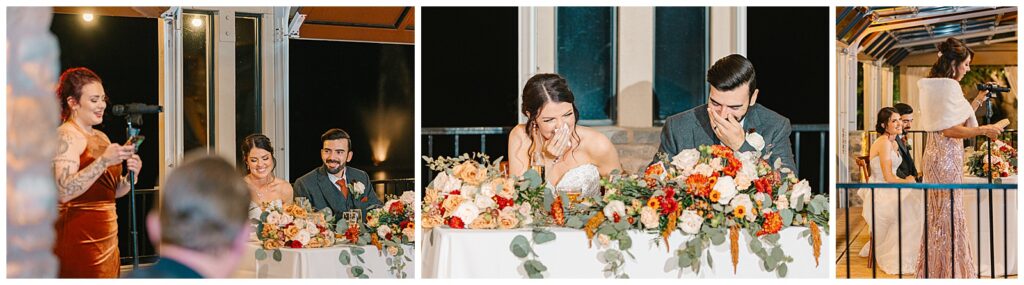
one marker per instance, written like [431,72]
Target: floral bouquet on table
[473,192]
[293,225]
[394,224]
[711,192]
[1003,162]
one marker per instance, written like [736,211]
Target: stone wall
[636,146]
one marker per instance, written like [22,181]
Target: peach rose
[508,218]
[295,211]
[451,203]
[470,173]
[291,231]
[272,244]
[484,221]
[432,221]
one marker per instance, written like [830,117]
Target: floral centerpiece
[1003,160]
[711,192]
[394,222]
[473,192]
[294,225]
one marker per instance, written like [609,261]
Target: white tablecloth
[485,254]
[999,206]
[318,263]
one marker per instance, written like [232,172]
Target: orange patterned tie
[343,186]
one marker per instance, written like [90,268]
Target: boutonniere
[755,140]
[358,188]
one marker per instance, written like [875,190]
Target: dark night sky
[351,86]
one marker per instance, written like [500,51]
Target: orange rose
[470,173]
[484,221]
[269,231]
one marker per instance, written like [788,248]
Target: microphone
[135,108]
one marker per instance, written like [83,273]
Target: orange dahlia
[772,224]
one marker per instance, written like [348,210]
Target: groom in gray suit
[331,184]
[730,115]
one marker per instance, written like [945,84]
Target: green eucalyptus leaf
[277,255]
[261,254]
[345,258]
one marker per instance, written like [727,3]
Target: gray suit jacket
[316,187]
[692,128]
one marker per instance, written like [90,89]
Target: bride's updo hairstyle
[883,119]
[539,90]
[952,53]
[257,141]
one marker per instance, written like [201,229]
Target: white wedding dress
[887,231]
[585,177]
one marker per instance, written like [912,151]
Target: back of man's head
[204,206]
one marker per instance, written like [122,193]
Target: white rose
[483,202]
[742,181]
[703,169]
[487,190]
[392,250]
[716,164]
[408,197]
[311,228]
[744,200]
[782,202]
[274,218]
[302,237]
[383,231]
[615,207]
[445,183]
[748,163]
[285,219]
[690,222]
[726,187]
[467,211]
[755,140]
[358,188]
[801,190]
[649,217]
[686,159]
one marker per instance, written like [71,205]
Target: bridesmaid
[87,169]
[948,119]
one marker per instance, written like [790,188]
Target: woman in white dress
[260,164]
[885,159]
[574,158]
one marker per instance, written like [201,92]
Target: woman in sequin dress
[949,119]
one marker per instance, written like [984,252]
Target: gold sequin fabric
[943,163]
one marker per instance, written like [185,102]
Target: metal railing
[458,133]
[394,186]
[822,132]
[925,187]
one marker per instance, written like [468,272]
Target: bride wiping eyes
[572,157]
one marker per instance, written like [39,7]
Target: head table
[320,263]
[467,253]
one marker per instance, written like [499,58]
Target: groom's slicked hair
[731,72]
[336,134]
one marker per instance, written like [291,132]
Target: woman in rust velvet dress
[949,119]
[88,175]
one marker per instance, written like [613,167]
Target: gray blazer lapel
[330,193]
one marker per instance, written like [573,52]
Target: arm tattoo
[71,181]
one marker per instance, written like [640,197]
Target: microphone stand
[132,131]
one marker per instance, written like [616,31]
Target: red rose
[295,244]
[403,224]
[454,192]
[616,217]
[502,202]
[397,208]
[456,223]
[763,185]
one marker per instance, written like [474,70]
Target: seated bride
[260,164]
[884,160]
[574,158]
